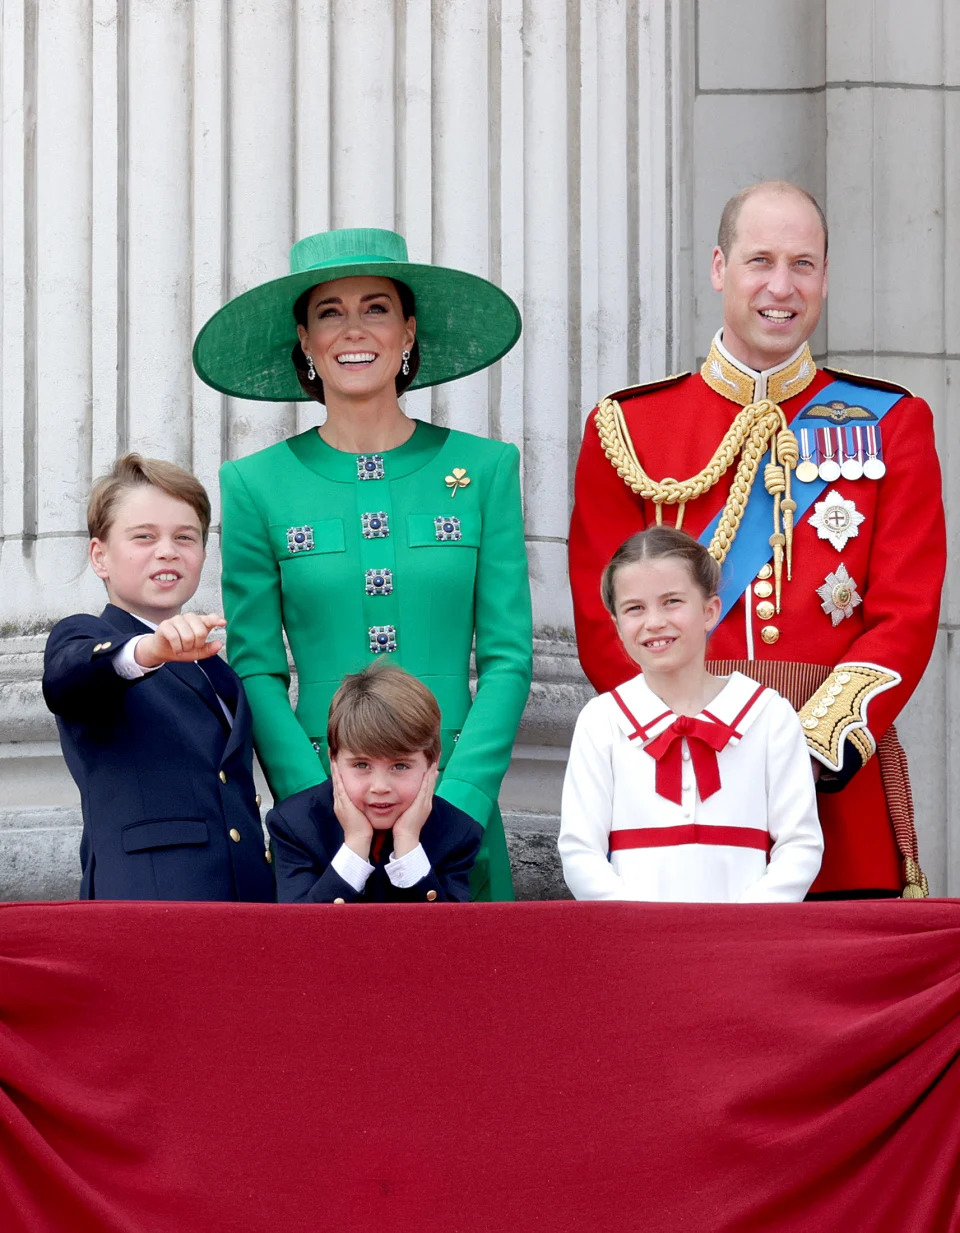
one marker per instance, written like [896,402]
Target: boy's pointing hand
[180,639]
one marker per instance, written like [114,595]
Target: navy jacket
[170,810]
[306,836]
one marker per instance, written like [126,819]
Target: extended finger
[195,629]
[171,631]
[209,649]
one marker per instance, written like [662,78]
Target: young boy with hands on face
[374,832]
[154,727]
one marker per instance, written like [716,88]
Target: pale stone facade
[158,156]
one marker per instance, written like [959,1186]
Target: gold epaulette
[837,712]
[646,386]
[859,378]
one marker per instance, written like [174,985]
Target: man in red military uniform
[834,553]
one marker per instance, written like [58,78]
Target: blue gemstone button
[379,581]
[299,539]
[375,526]
[383,639]
[370,466]
[447,529]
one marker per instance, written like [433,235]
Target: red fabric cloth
[550,1066]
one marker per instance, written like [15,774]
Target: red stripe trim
[733,726]
[638,729]
[759,690]
[691,832]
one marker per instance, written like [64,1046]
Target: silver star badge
[839,595]
[837,519]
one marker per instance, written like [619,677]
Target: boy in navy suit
[374,832]
[160,746]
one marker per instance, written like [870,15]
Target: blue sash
[751,549]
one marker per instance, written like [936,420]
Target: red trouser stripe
[692,832]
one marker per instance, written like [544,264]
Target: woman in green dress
[374,533]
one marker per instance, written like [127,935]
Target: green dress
[354,557]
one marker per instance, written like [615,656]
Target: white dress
[621,839]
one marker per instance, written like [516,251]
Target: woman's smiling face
[356,335]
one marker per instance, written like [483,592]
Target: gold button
[819,711]
[98,647]
[257,800]
[105,646]
[763,590]
[339,901]
[827,700]
[765,571]
[268,856]
[431,895]
[835,690]
[765,610]
[810,724]
[223,776]
[843,678]
[234,834]
[769,634]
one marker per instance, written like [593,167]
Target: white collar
[737,704]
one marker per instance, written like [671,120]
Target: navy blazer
[306,836]
[170,810]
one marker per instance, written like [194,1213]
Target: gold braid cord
[756,428]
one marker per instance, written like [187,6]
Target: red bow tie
[704,739]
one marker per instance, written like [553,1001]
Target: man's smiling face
[773,280]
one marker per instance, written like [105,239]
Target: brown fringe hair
[131,471]
[383,711]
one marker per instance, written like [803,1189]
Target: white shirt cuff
[406,871]
[352,868]
[124,663]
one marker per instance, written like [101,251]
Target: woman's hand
[407,828]
[179,639]
[357,831]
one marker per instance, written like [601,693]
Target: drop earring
[311,371]
[406,364]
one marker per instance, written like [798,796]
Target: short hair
[383,711]
[132,471]
[655,544]
[315,387]
[727,231]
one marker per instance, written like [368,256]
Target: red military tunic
[895,561]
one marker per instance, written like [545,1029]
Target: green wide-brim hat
[464,323]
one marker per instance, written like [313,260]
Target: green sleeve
[504,650]
[255,645]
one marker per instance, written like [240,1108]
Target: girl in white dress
[682,785]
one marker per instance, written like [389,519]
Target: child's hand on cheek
[357,831]
[407,828]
